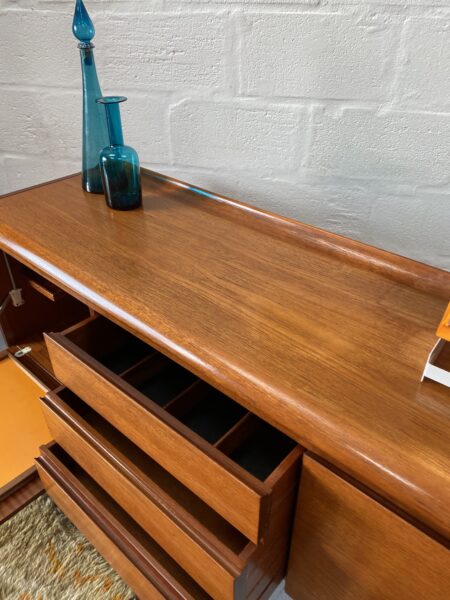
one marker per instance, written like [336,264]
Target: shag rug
[44,557]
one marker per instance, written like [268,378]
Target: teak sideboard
[234,397]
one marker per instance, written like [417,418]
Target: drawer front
[105,546]
[240,498]
[346,545]
[148,567]
[221,575]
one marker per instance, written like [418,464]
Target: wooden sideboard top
[324,337]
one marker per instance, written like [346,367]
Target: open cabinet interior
[26,373]
[45,307]
[23,428]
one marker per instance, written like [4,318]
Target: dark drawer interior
[251,443]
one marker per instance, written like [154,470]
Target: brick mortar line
[244,101]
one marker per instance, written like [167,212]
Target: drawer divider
[234,436]
[186,399]
[229,489]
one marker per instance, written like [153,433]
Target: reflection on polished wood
[321,336]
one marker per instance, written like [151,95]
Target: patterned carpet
[44,557]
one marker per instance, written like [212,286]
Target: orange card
[444,327]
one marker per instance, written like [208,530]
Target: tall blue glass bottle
[95,131]
[119,164]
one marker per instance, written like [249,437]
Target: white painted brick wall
[317,56]
[237,136]
[164,52]
[424,80]
[336,112]
[409,148]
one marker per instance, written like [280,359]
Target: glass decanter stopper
[95,131]
[119,164]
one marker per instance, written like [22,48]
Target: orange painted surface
[444,328]
[22,425]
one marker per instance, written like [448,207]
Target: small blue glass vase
[95,131]
[119,164]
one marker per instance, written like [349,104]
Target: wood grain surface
[321,336]
[231,491]
[216,570]
[268,564]
[346,545]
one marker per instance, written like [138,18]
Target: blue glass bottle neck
[89,71]
[114,124]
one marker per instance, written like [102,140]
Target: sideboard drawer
[200,540]
[147,569]
[189,428]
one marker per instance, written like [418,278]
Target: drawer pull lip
[46,461]
[83,502]
[219,552]
[158,576]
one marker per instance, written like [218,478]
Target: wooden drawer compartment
[138,559]
[209,548]
[190,429]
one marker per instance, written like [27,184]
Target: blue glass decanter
[119,164]
[95,131]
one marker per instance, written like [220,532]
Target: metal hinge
[22,352]
[15,295]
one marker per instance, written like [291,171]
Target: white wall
[333,112]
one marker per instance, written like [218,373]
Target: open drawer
[202,542]
[208,442]
[138,559]
[199,539]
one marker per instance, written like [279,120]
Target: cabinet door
[347,546]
